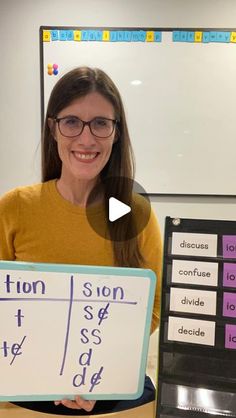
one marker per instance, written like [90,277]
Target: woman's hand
[78,403]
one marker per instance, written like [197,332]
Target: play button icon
[117,209]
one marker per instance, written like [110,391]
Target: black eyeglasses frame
[88,123]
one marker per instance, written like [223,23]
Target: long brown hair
[78,83]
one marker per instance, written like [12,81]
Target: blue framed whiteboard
[73,330]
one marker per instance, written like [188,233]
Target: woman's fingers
[78,403]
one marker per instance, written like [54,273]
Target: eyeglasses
[71,126]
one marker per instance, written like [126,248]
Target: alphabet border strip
[141,35]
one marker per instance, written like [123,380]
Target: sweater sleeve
[151,250]
[8,224]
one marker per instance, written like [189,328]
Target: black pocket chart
[197,346]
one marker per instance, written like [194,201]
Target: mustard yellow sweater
[38,225]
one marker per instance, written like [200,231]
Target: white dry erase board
[179,91]
[69,330]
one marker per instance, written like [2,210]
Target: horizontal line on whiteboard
[149,28]
[151,194]
[67,300]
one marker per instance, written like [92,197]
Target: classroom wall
[20,86]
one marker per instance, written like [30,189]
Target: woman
[85,143]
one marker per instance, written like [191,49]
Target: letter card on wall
[68,329]
[197,349]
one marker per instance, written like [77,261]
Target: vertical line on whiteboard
[68,325]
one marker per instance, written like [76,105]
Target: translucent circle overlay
[126,191]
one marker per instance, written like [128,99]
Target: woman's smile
[85,157]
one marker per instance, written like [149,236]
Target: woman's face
[84,156]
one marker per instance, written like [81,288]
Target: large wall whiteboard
[68,330]
[181,116]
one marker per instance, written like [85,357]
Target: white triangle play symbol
[117,209]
